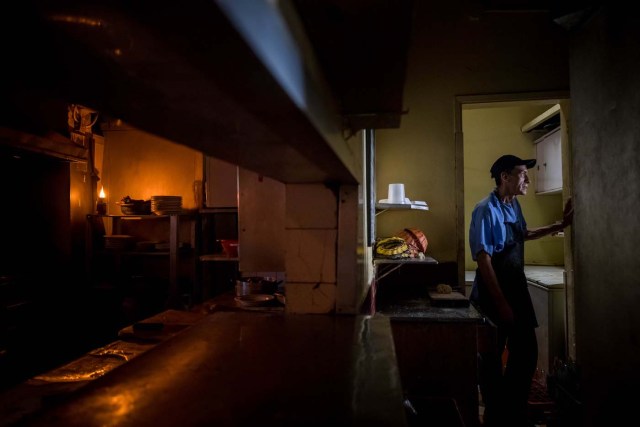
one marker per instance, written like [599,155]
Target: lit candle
[101,206]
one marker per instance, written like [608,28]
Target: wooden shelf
[52,144]
[217,271]
[139,217]
[425,260]
[133,253]
[218,210]
[174,253]
[217,258]
[539,121]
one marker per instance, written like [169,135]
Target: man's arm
[567,219]
[536,233]
[491,281]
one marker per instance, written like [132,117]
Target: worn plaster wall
[605,91]
[460,52]
[311,230]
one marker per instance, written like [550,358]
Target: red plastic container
[230,247]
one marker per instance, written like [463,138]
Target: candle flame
[102,195]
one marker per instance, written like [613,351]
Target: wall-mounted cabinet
[549,163]
[546,132]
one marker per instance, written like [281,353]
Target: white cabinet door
[549,165]
[221,185]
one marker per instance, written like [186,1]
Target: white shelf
[541,118]
[425,260]
[382,207]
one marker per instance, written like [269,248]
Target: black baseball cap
[508,162]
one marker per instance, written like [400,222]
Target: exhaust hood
[197,75]
[275,87]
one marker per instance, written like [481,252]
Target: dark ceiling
[187,72]
[184,72]
[362,48]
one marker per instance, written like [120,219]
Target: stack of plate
[118,241]
[166,205]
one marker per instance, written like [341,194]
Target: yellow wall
[457,54]
[488,134]
[141,165]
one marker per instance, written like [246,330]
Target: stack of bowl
[130,206]
[256,285]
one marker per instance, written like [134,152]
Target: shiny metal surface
[237,369]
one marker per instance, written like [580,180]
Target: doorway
[488,137]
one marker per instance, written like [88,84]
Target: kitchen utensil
[256,285]
[230,247]
[130,206]
[453,299]
[280,297]
[166,205]
[254,300]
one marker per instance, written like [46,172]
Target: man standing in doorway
[496,237]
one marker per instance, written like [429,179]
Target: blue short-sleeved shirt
[487,231]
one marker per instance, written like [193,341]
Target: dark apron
[509,268]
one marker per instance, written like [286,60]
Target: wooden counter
[436,348]
[40,392]
[248,369]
